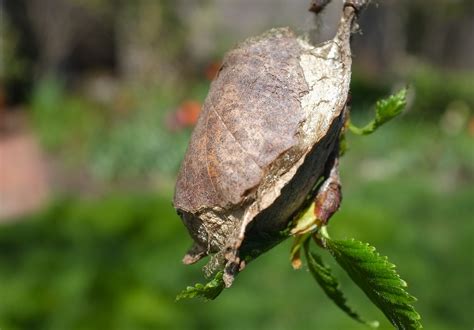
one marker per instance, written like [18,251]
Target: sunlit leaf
[377,277]
[208,291]
[385,110]
[322,274]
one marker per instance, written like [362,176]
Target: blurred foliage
[91,266]
[385,110]
[129,144]
[151,41]
[140,143]
[115,263]
[63,121]
[432,89]
[435,89]
[12,67]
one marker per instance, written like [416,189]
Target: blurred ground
[23,171]
[97,103]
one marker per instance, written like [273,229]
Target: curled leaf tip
[385,110]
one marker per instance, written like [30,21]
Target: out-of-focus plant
[151,41]
[12,67]
[64,122]
[133,144]
[140,143]
[435,90]
[432,90]
[139,146]
[77,264]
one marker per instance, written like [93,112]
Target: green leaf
[209,291]
[322,274]
[378,279]
[385,110]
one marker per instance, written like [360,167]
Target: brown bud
[317,6]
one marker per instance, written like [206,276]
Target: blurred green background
[97,103]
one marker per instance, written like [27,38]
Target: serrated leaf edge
[208,291]
[400,306]
[323,276]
